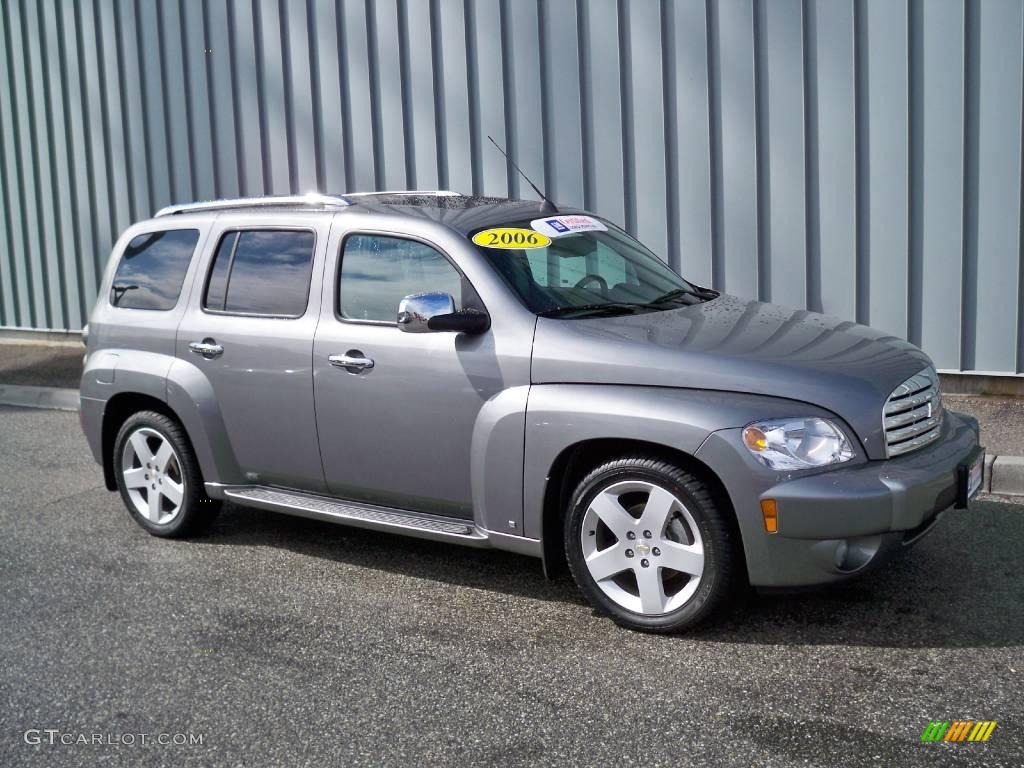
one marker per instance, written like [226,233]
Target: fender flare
[561,417]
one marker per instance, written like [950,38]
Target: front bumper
[836,523]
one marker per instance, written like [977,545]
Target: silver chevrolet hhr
[495,373]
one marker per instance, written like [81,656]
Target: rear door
[249,331]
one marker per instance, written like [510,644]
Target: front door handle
[352,361]
[208,348]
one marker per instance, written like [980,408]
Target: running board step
[361,515]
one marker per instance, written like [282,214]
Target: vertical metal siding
[863,158]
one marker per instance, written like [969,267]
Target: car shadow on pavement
[486,569]
[960,587]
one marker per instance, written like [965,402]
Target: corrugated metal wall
[861,158]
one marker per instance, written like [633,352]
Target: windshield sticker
[511,238]
[558,226]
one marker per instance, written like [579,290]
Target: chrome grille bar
[912,416]
[908,403]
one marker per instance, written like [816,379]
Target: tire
[158,476]
[626,520]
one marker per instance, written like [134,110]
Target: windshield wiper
[614,307]
[683,294]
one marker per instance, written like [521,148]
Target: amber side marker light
[755,439]
[770,511]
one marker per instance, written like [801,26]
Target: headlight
[797,443]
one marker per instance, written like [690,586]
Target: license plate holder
[969,476]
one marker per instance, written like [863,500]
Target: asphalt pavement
[282,641]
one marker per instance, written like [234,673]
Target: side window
[377,272]
[152,269]
[261,272]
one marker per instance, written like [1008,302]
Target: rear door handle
[208,348]
[352,361]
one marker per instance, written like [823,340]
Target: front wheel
[159,478]
[648,545]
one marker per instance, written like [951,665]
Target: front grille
[912,416]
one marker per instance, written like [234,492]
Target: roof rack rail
[310,198]
[424,192]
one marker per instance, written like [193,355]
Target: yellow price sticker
[511,238]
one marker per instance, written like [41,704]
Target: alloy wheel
[642,547]
[153,476]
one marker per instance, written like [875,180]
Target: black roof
[463,213]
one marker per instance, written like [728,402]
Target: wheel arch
[118,410]
[576,460]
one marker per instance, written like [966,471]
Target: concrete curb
[52,398]
[1004,475]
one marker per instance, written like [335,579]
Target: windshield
[590,269]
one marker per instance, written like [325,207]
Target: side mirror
[435,312]
[469,321]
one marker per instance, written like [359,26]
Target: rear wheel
[158,476]
[648,545]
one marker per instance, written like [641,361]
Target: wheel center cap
[642,548]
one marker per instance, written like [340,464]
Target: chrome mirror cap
[415,310]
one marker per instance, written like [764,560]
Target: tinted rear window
[152,269]
[261,272]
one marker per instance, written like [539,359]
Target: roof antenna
[547,207]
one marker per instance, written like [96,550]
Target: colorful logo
[958,730]
[558,226]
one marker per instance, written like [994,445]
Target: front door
[249,331]
[396,426]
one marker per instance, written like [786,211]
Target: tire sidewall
[703,600]
[168,431]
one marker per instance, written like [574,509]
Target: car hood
[736,345]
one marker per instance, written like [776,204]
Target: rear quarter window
[152,269]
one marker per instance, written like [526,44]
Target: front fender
[496,461]
[560,416]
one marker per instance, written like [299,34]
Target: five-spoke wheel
[158,475]
[642,547]
[648,543]
[152,474]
